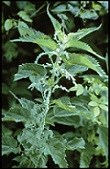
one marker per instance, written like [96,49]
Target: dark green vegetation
[55,84]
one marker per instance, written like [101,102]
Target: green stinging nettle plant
[86,111]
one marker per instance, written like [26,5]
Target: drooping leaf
[84,60]
[29,69]
[86,155]
[17,114]
[9,145]
[56,148]
[103,139]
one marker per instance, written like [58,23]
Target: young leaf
[81,33]
[84,60]
[96,111]
[24,16]
[22,28]
[93,103]
[29,69]
[57,26]
[8,24]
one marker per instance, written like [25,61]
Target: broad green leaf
[33,36]
[94,98]
[28,136]
[96,111]
[17,114]
[56,148]
[81,33]
[66,105]
[75,69]
[27,104]
[24,16]
[58,112]
[9,145]
[29,69]
[93,103]
[6,131]
[78,88]
[8,24]
[22,28]
[69,121]
[84,60]
[76,143]
[86,155]
[59,9]
[88,14]
[103,107]
[103,139]
[81,45]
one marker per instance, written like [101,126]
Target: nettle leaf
[29,69]
[9,145]
[89,14]
[66,105]
[22,28]
[76,143]
[103,139]
[17,114]
[56,148]
[26,104]
[85,60]
[57,27]
[69,121]
[6,131]
[33,36]
[8,24]
[75,69]
[81,45]
[81,33]
[78,88]
[24,16]
[86,155]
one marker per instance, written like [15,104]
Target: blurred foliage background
[72,14]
